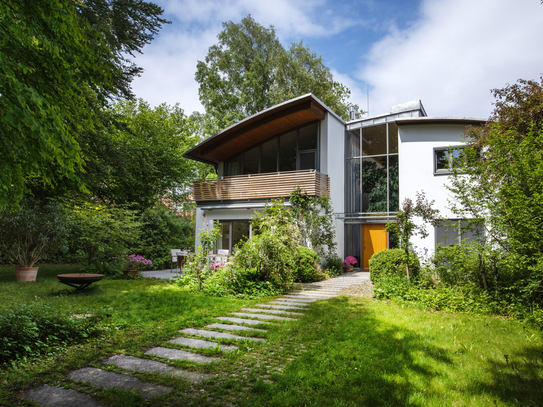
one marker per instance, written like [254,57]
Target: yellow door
[374,239]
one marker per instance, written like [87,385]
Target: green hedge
[306,268]
[391,262]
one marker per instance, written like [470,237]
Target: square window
[446,158]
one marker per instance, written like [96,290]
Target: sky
[448,53]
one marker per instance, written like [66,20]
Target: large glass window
[287,152]
[295,150]
[268,162]
[392,138]
[251,160]
[233,232]
[233,166]
[372,172]
[352,142]
[308,137]
[352,185]
[374,140]
[374,184]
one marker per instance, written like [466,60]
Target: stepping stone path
[288,308]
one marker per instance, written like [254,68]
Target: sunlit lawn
[344,352]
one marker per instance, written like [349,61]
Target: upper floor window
[291,151]
[446,158]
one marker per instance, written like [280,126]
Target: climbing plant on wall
[315,220]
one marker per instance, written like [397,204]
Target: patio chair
[173,253]
[182,256]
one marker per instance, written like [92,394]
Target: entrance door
[374,239]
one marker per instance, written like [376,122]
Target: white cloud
[170,61]
[455,54]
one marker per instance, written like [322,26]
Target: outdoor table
[79,281]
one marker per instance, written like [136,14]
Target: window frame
[458,228]
[445,171]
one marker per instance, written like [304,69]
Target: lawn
[343,352]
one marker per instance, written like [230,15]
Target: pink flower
[349,261]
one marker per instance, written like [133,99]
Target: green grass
[344,352]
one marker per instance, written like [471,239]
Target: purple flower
[349,261]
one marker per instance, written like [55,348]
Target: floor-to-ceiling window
[372,181]
[232,233]
[294,150]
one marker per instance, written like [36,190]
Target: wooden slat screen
[262,186]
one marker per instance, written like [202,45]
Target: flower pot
[348,269]
[130,272]
[27,273]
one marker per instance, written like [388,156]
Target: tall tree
[139,160]
[58,69]
[249,70]
[500,178]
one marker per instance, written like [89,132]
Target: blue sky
[448,53]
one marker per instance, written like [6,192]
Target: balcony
[262,186]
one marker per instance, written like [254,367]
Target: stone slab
[243,321]
[108,380]
[290,303]
[53,396]
[276,305]
[199,343]
[228,327]
[178,354]
[307,297]
[215,334]
[135,364]
[273,311]
[288,298]
[261,316]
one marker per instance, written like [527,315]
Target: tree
[126,26]
[58,68]
[139,160]
[500,176]
[405,227]
[249,70]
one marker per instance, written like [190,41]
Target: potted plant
[29,233]
[348,263]
[134,263]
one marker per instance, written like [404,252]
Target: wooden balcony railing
[262,186]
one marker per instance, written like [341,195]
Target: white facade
[411,157]
[416,153]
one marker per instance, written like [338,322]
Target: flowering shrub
[135,262]
[349,261]
[217,266]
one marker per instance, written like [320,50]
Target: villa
[366,166]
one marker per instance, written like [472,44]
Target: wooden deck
[262,186]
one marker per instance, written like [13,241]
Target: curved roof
[259,127]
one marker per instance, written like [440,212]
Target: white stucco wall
[416,148]
[333,164]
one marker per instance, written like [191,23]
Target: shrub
[306,268]
[333,265]
[30,233]
[35,329]
[162,230]
[391,262]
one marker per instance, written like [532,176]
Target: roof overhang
[259,127]
[473,121]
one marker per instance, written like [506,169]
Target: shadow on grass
[517,379]
[355,360]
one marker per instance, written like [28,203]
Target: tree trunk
[482,272]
